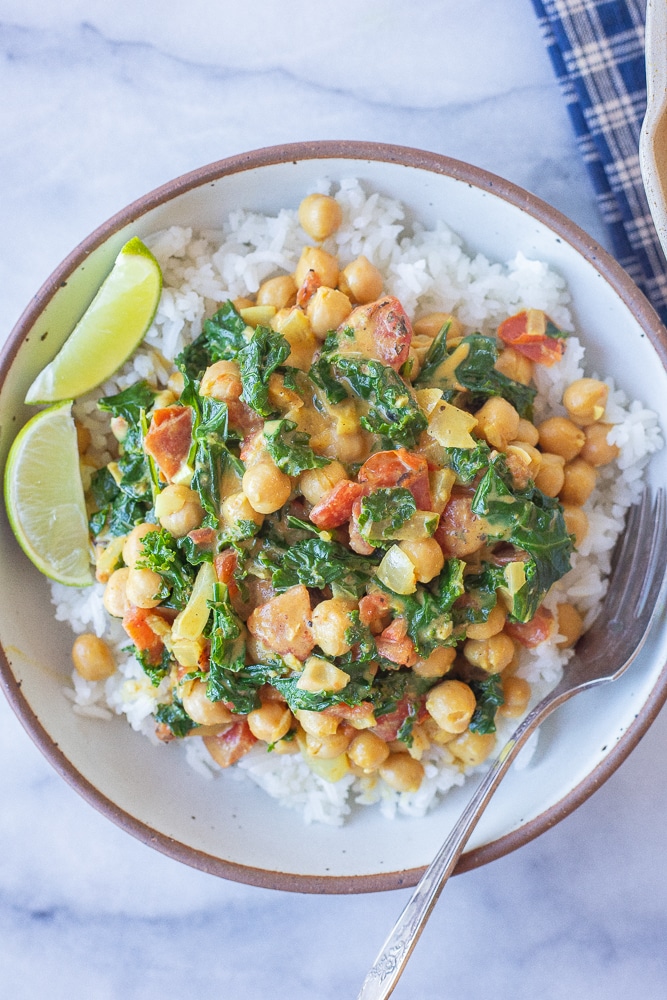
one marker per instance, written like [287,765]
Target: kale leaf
[384,511]
[531,521]
[258,360]
[476,373]
[489,696]
[393,412]
[221,339]
[156,671]
[290,449]
[175,716]
[318,563]
[161,553]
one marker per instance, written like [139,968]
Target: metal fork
[602,654]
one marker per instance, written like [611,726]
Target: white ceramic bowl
[231,828]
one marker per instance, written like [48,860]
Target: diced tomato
[398,468]
[169,438]
[224,565]
[530,338]
[382,331]
[243,418]
[203,538]
[396,645]
[228,747]
[309,286]
[535,631]
[142,635]
[335,508]
[388,725]
[372,609]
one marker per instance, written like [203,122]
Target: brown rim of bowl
[419,159]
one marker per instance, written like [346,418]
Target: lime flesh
[44,497]
[109,331]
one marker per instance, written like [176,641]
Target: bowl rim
[409,157]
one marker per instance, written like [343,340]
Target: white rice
[427,270]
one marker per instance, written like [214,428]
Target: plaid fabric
[597,51]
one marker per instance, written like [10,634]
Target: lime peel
[44,497]
[110,330]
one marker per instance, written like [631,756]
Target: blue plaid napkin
[597,51]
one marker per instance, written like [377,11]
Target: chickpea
[561,437]
[322,263]
[115,593]
[585,400]
[222,381]
[331,619]
[597,450]
[270,722]
[352,447]
[516,692]
[328,747]
[427,557]
[317,723]
[266,487]
[242,302]
[551,474]
[492,654]
[437,664]
[528,432]
[236,507]
[279,292]
[497,422]
[119,428]
[92,658]
[327,309]
[201,709]
[579,482]
[472,749]
[134,543]
[402,772]
[361,281]
[178,509]
[431,325]
[570,625]
[320,215]
[451,704]
[143,588]
[492,626]
[524,462]
[576,523]
[316,483]
[368,751]
[163,399]
[515,365]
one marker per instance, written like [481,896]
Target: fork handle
[395,952]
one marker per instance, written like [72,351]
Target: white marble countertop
[100,103]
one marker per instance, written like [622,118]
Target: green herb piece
[384,512]
[155,671]
[258,360]
[489,696]
[290,449]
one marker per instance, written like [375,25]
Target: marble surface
[100,103]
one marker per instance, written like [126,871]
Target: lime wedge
[111,328]
[44,497]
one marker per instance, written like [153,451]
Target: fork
[602,654]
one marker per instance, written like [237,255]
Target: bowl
[231,828]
